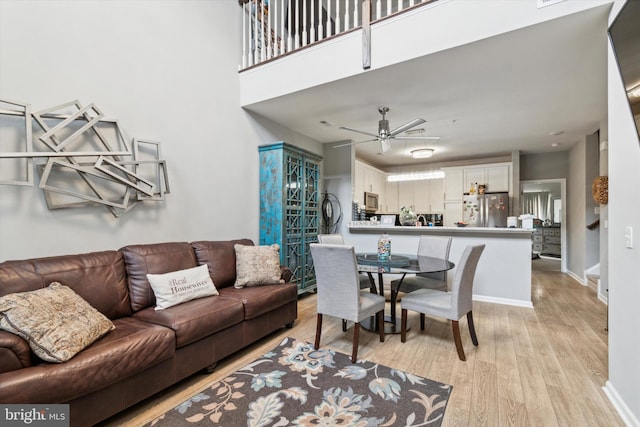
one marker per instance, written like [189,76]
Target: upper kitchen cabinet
[453,184]
[495,176]
[371,180]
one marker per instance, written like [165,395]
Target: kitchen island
[503,275]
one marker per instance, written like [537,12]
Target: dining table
[397,264]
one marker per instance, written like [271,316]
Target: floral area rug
[296,385]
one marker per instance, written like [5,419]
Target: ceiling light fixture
[556,133]
[422,153]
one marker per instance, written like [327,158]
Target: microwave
[371,202]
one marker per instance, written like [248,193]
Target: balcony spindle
[356,8]
[244,39]
[289,39]
[347,21]
[297,36]
[328,22]
[399,6]
[312,24]
[378,9]
[337,28]
[389,8]
[304,23]
[320,25]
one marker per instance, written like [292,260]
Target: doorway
[545,199]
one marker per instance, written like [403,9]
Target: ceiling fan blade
[359,131]
[355,142]
[407,126]
[430,138]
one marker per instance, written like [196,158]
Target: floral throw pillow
[257,265]
[55,321]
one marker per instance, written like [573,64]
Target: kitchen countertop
[398,229]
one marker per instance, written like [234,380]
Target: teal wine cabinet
[290,207]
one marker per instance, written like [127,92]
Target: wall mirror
[625,38]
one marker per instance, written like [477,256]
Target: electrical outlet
[628,237]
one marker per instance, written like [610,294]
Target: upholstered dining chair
[434,246]
[339,293]
[450,305]
[337,239]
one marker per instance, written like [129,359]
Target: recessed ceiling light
[422,153]
[556,133]
[555,144]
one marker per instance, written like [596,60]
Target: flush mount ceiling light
[634,92]
[422,153]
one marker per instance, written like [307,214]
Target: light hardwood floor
[544,366]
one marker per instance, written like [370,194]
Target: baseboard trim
[621,407]
[576,277]
[504,301]
[603,299]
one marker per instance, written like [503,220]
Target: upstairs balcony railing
[272,28]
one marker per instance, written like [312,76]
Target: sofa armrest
[285,274]
[14,352]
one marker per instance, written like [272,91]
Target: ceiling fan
[385,135]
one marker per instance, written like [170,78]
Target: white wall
[168,71]
[623,386]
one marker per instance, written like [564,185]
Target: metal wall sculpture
[82,157]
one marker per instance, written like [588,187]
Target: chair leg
[318,330]
[403,325]
[422,321]
[344,325]
[356,337]
[457,339]
[380,317]
[472,329]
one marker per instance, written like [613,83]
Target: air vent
[544,3]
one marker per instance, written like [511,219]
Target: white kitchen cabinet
[453,184]
[452,212]
[405,194]
[391,198]
[473,176]
[421,196]
[369,179]
[498,178]
[436,195]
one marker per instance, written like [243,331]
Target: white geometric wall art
[15,126]
[147,157]
[87,159]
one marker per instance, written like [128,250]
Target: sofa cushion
[261,299]
[130,348]
[99,278]
[257,265]
[158,258]
[55,321]
[181,286]
[194,320]
[220,257]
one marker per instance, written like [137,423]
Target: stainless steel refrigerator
[486,210]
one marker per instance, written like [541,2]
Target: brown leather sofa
[149,350]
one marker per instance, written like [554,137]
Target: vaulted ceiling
[508,92]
